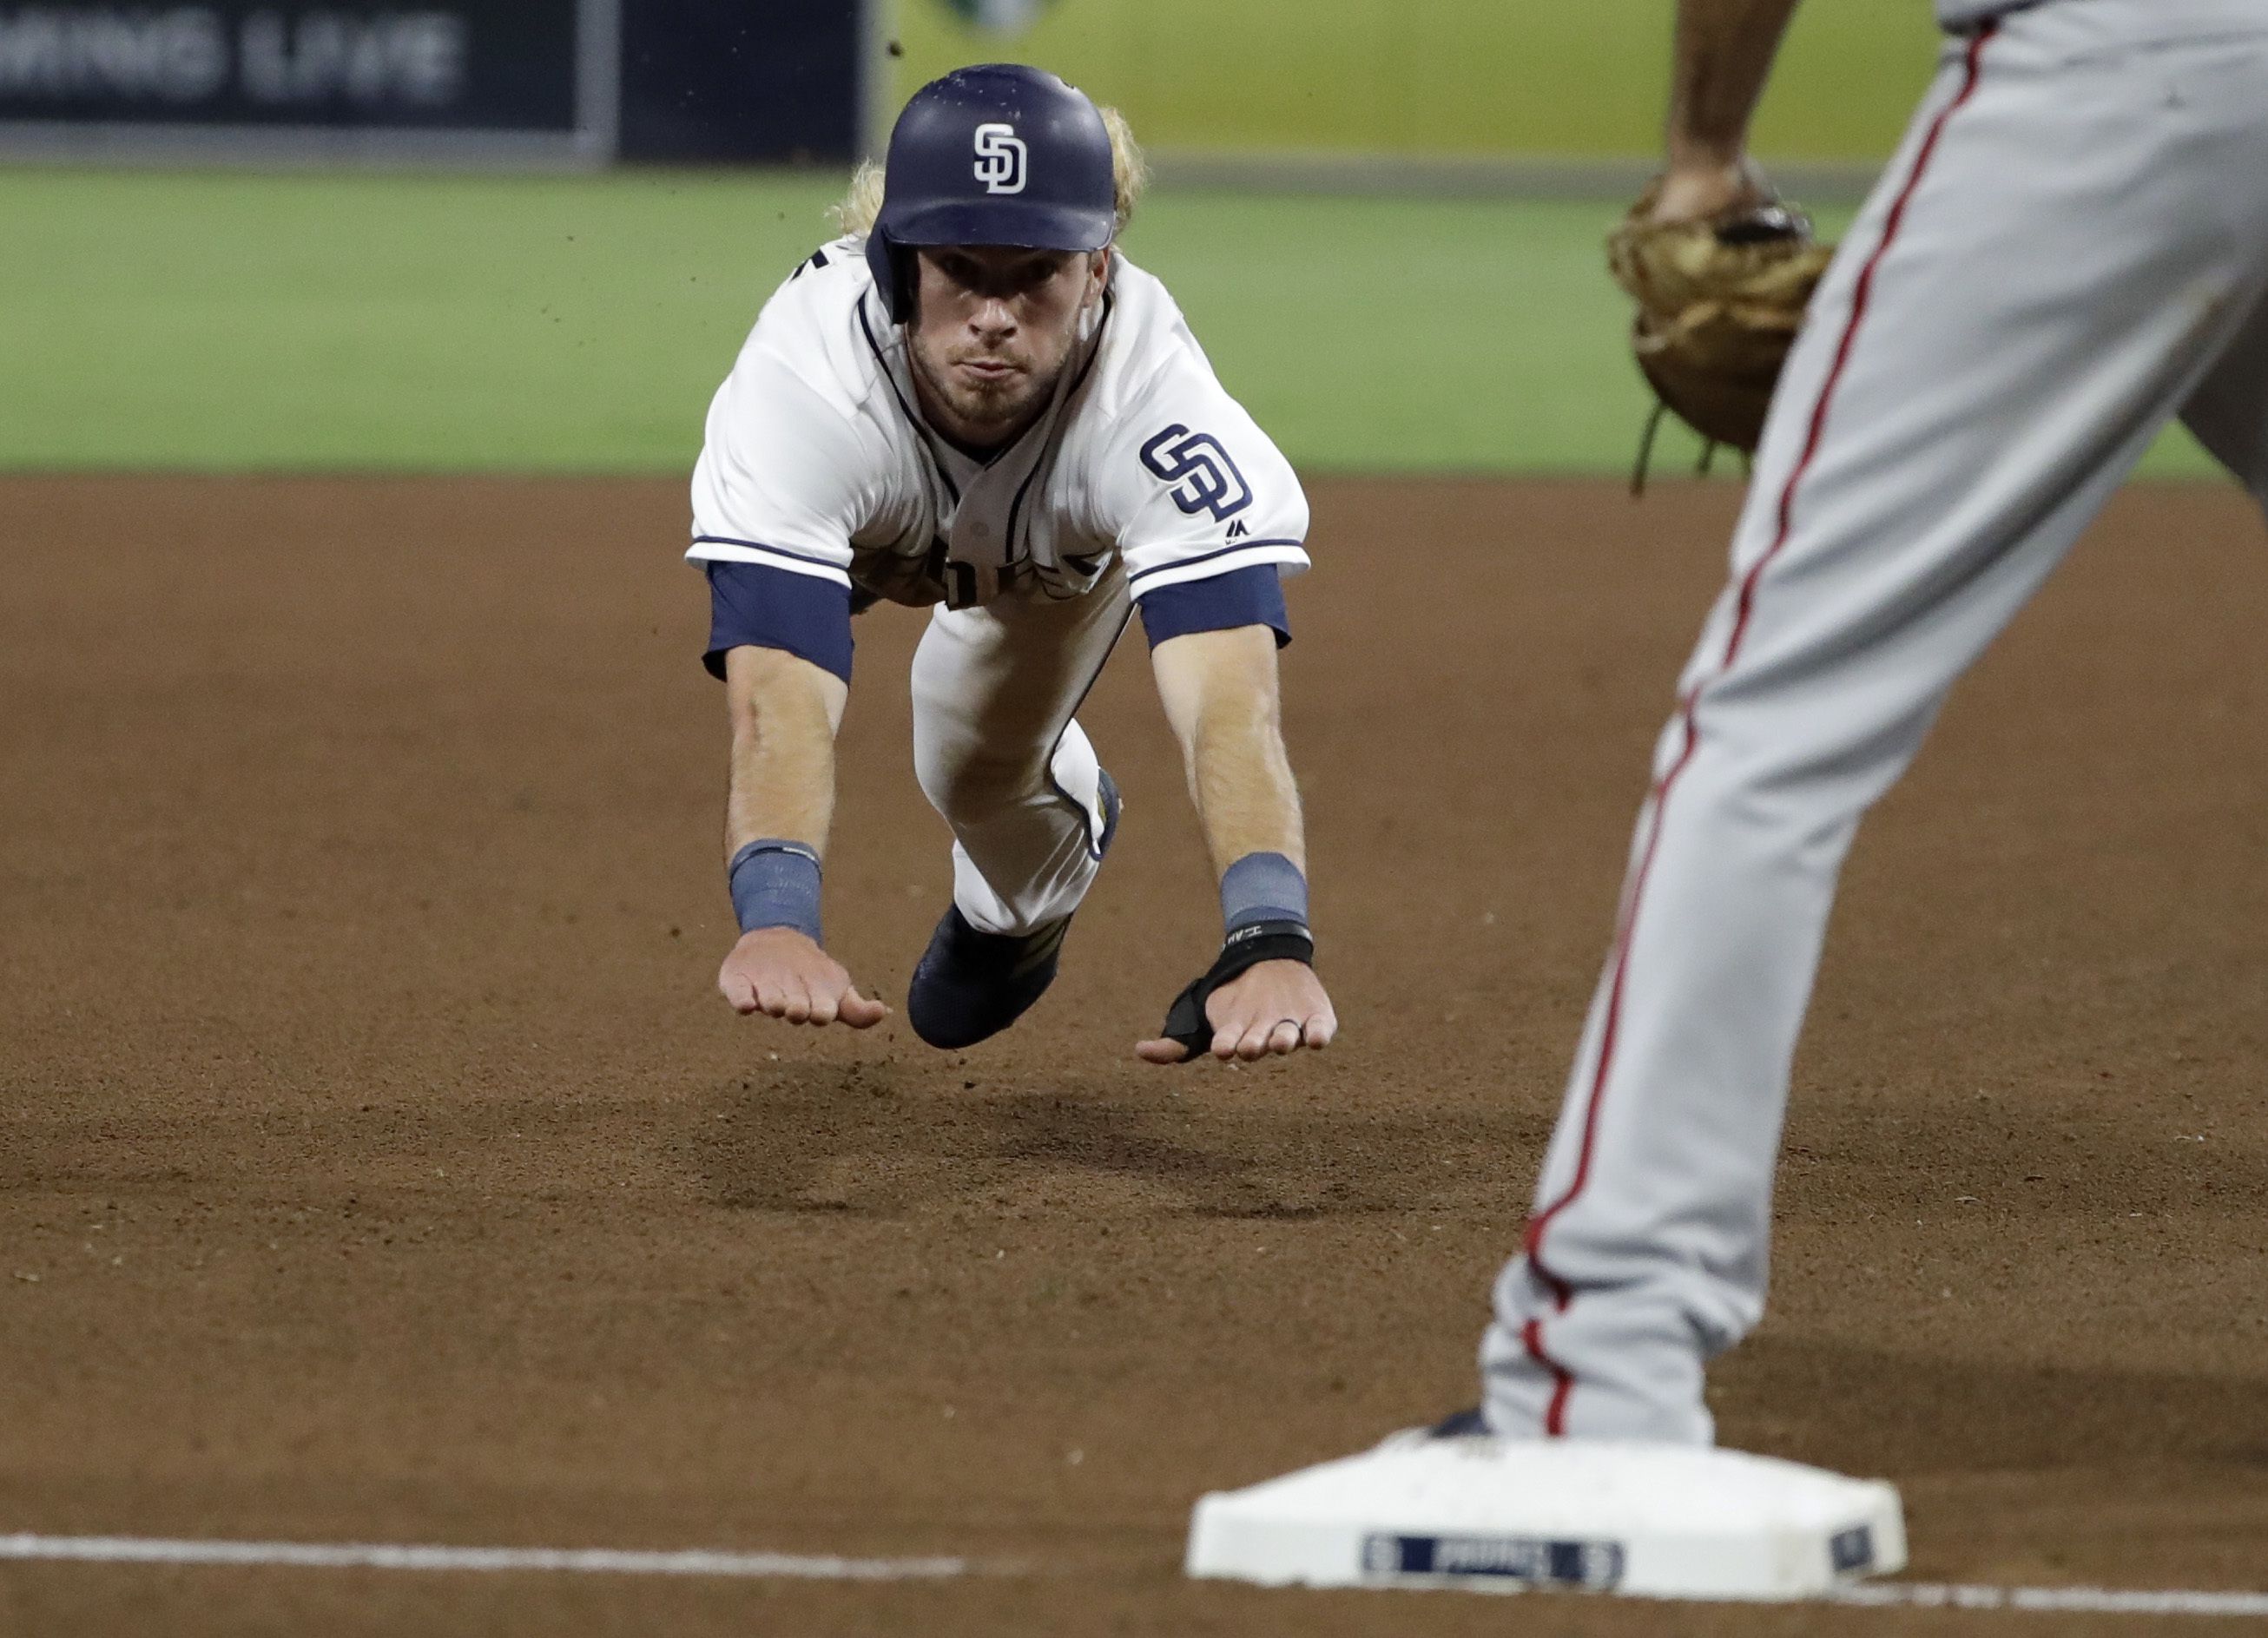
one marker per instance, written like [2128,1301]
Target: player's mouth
[989,369]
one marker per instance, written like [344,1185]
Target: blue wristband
[1263,887]
[776,884]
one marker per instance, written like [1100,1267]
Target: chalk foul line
[582,1561]
[827,1567]
[2069,1600]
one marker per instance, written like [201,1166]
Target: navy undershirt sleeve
[1243,596]
[754,606]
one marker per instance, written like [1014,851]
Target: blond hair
[1130,174]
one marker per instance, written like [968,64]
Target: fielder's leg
[2068,239]
[999,756]
[2228,412]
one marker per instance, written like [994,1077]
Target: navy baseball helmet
[996,154]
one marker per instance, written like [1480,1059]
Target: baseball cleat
[969,985]
[1464,1424]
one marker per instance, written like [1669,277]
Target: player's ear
[1098,270]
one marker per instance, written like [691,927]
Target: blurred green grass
[229,322]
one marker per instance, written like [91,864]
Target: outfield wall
[1575,80]
[477,82]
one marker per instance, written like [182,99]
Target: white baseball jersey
[818,462]
[2167,19]
[1959,14]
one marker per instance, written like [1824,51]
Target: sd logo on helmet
[997,154]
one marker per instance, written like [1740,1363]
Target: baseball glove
[1719,305]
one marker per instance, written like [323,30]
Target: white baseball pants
[1000,756]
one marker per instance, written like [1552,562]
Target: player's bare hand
[1703,190]
[1270,1009]
[782,974]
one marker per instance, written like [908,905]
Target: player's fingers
[1161,1051]
[735,986]
[798,1001]
[1259,1036]
[831,993]
[1285,1036]
[860,1012]
[1321,1031]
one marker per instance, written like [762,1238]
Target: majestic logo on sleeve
[1000,158]
[1203,477]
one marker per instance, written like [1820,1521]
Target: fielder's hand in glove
[1260,996]
[1721,275]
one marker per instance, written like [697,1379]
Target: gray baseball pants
[2070,249]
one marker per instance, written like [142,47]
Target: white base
[1654,1520]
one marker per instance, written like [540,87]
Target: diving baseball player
[2070,249]
[972,403]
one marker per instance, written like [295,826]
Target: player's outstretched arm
[781,797]
[1724,54]
[1219,691]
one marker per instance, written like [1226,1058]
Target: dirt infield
[376,1162]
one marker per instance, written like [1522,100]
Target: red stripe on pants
[1562,1293]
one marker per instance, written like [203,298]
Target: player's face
[994,326]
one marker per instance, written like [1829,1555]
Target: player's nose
[993,315]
